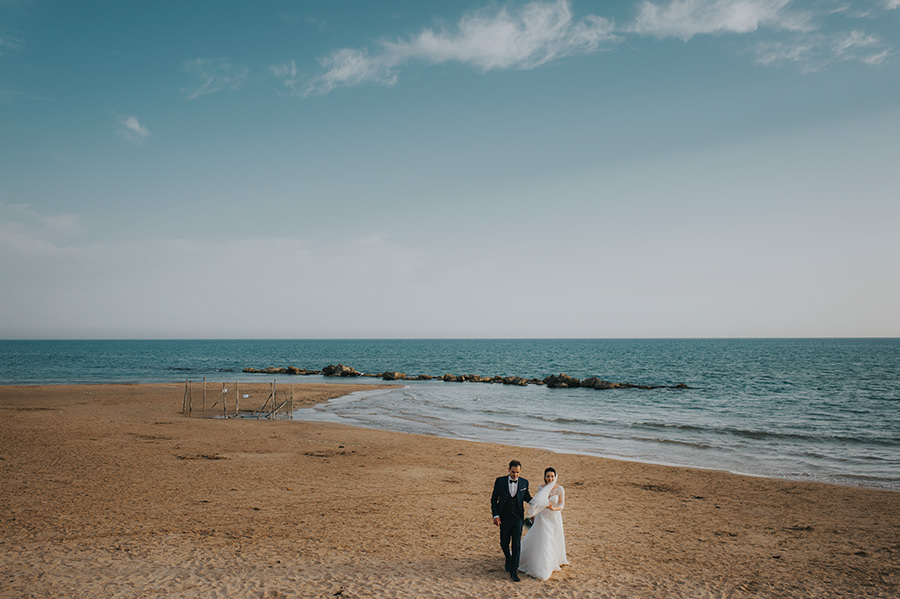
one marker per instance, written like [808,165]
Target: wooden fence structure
[272,408]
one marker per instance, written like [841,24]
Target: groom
[509,514]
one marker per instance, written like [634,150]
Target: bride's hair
[553,470]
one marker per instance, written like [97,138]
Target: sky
[470,169]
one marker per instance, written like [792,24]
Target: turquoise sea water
[821,409]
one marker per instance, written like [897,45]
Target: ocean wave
[818,437]
[494,426]
[560,419]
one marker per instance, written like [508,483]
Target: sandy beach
[109,491]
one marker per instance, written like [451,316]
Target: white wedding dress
[544,545]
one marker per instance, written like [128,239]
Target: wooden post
[292,402]
[204,394]
[263,407]
[184,400]
[274,413]
[237,400]
[190,398]
[224,401]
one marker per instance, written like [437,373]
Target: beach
[110,491]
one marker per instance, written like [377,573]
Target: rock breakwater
[554,381]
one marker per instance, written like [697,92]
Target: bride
[544,546]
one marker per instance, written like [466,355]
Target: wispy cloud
[816,51]
[9,44]
[807,35]
[131,129]
[214,75]
[7,95]
[794,36]
[858,45]
[498,39]
[287,74]
[685,19]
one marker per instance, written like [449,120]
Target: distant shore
[108,490]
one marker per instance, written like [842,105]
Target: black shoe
[515,576]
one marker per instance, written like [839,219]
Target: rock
[300,371]
[561,381]
[280,370]
[552,381]
[339,370]
[598,383]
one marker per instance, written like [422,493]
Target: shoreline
[867,482]
[368,386]
[109,491]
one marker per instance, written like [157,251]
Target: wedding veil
[541,500]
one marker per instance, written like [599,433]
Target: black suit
[511,510]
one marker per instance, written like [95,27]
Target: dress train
[544,545]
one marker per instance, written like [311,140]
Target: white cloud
[349,67]
[131,129]
[507,38]
[287,73]
[284,71]
[814,52]
[542,31]
[848,44]
[798,52]
[215,76]
[860,46]
[686,18]
[538,33]
[793,36]
[9,44]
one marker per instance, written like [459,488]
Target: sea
[801,409]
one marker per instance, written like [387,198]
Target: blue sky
[662,168]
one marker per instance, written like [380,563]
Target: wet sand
[109,491]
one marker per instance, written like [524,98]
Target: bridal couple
[543,550]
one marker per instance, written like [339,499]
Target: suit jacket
[503,505]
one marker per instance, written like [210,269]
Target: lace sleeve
[562,498]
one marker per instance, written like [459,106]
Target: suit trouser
[511,540]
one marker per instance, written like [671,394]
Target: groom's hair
[515,463]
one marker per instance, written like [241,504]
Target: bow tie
[513,482]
